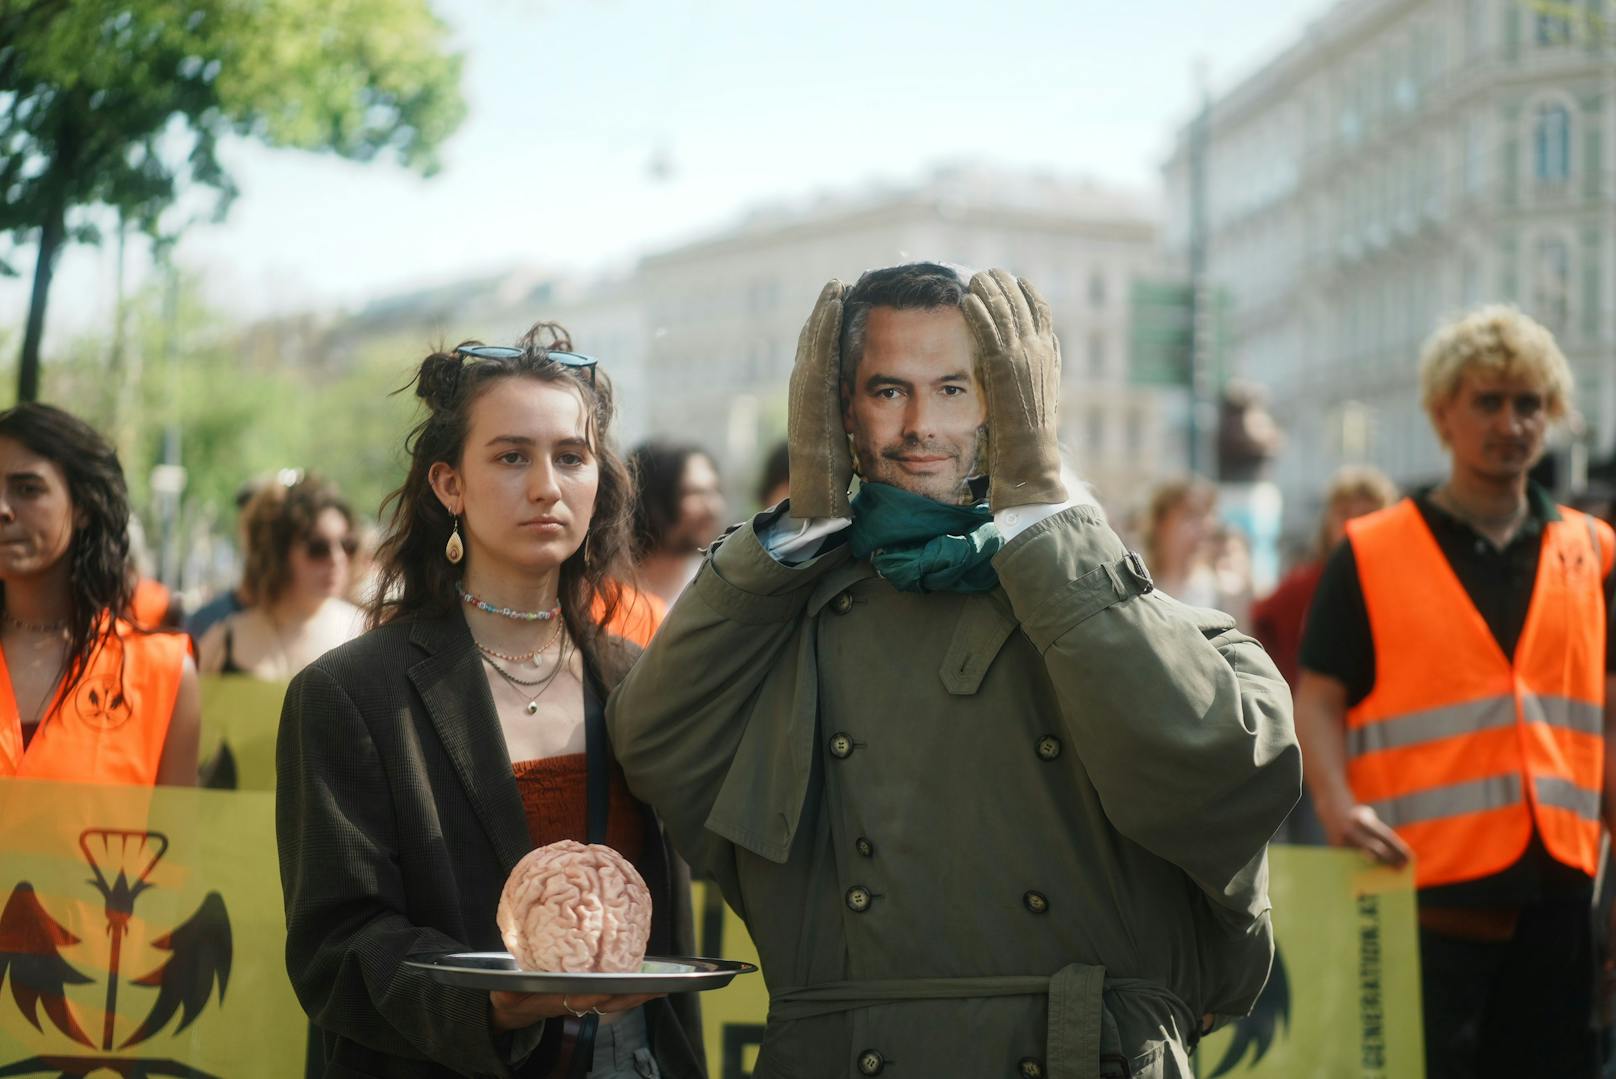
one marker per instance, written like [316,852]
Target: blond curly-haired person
[1454,708]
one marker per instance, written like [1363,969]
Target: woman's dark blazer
[398,822]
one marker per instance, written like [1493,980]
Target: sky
[598,130]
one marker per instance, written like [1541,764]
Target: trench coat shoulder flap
[760,802]
[449,677]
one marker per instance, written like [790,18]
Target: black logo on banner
[1256,1032]
[31,961]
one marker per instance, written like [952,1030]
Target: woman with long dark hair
[678,511]
[86,694]
[420,762]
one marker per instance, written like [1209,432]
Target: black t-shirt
[1337,642]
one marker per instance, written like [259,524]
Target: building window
[1097,354]
[1096,289]
[1551,284]
[1096,433]
[1470,281]
[1475,28]
[1551,144]
[1136,433]
[1475,155]
[1553,30]
[1351,126]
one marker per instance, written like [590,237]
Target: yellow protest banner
[731,1017]
[141,934]
[240,716]
[1343,1001]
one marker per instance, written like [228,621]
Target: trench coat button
[870,1062]
[841,605]
[1030,1068]
[841,746]
[1036,902]
[1049,747]
[858,899]
[864,847]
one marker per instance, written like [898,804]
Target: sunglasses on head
[319,548]
[507,352]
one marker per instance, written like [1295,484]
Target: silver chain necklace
[36,627]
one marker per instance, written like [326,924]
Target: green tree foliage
[236,417]
[122,104]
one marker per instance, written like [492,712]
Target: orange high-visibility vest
[638,614]
[150,602]
[1458,747]
[112,727]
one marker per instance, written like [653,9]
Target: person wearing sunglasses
[300,541]
[87,695]
[418,764]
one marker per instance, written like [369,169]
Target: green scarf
[920,545]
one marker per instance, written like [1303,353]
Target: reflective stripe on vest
[112,727]
[1563,794]
[1466,751]
[1456,719]
[1434,803]
[1479,795]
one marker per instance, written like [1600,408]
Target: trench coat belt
[1075,998]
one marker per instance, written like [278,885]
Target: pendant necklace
[523,685]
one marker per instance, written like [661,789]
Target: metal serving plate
[658,974]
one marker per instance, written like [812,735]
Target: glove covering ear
[1019,360]
[821,466]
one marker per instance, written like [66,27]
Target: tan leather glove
[1019,361]
[821,467]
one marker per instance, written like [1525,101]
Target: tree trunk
[52,231]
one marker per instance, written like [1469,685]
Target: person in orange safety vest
[86,695]
[1454,707]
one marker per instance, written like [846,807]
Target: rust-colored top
[555,794]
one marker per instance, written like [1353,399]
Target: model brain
[575,908]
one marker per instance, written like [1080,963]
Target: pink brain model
[575,908]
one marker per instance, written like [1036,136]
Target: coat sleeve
[346,926]
[721,678]
[1183,723]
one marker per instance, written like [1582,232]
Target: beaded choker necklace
[506,612]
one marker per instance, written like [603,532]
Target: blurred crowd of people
[82,635]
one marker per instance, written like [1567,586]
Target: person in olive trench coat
[988,802]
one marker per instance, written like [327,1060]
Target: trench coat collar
[454,689]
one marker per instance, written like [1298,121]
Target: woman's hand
[512,1011]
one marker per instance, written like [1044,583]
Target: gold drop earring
[454,550]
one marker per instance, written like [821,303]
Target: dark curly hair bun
[438,379]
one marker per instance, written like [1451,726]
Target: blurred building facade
[1403,161]
[722,314]
[699,339]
